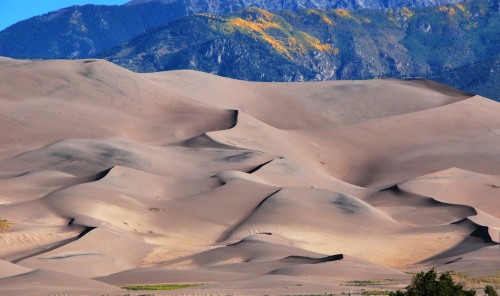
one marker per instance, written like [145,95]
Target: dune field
[110,178]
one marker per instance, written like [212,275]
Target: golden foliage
[327,20]
[449,10]
[266,15]
[5,225]
[323,17]
[406,12]
[316,44]
[461,7]
[288,41]
[343,13]
[257,29]
[253,26]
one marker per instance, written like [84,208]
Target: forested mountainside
[255,44]
[83,31]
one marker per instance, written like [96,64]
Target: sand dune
[8,269]
[463,187]
[459,186]
[110,178]
[302,105]
[42,282]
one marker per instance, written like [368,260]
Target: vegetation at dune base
[5,225]
[464,277]
[490,291]
[375,292]
[428,284]
[362,283]
[159,287]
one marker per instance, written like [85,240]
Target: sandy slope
[112,178]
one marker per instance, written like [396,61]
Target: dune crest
[111,178]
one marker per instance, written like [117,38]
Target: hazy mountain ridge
[83,31]
[255,44]
[223,6]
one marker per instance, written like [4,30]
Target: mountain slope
[232,47]
[83,31]
[255,44]
[482,78]
[224,6]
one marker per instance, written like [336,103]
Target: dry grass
[160,287]
[476,281]
[363,283]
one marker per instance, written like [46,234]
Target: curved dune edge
[250,188]
[467,188]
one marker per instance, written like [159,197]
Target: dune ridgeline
[110,178]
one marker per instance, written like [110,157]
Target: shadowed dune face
[110,178]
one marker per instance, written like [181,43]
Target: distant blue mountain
[83,31]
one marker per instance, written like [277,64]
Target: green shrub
[427,284]
[490,291]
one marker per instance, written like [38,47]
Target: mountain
[112,179]
[482,77]
[286,45]
[83,31]
[311,45]
[224,6]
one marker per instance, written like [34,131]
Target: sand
[110,178]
